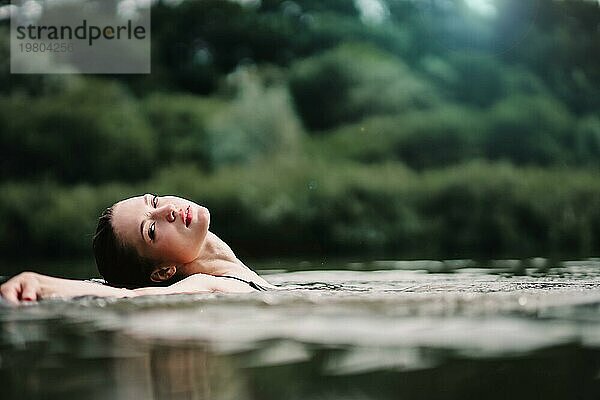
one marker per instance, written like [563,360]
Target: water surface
[379,330]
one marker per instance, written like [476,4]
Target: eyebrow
[143,220]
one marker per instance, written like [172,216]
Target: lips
[188,216]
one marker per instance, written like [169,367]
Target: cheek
[192,248]
[178,248]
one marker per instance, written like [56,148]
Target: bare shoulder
[208,283]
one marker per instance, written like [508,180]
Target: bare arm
[31,286]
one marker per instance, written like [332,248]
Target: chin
[203,218]
[205,214]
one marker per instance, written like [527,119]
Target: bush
[530,130]
[354,81]
[180,123]
[259,121]
[586,141]
[45,219]
[480,80]
[91,132]
[421,139]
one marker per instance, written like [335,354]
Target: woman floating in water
[149,245]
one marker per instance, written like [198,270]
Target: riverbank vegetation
[325,128]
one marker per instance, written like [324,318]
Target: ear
[162,274]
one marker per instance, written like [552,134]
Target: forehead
[127,216]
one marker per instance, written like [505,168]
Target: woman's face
[168,229]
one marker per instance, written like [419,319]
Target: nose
[167,212]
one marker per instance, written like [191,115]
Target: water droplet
[522,301]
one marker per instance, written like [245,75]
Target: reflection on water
[399,332]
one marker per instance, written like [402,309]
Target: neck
[216,258]
[216,255]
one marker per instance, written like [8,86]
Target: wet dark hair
[120,265]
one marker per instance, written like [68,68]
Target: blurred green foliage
[353,81]
[182,123]
[73,135]
[324,127]
[474,210]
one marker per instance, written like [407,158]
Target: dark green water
[380,330]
